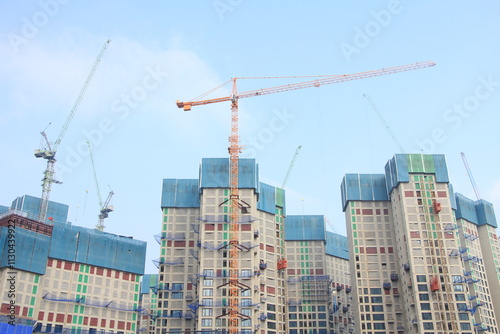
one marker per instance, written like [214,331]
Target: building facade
[66,277]
[148,303]
[410,258]
[193,291]
[319,288]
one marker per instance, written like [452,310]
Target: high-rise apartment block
[423,259]
[148,303]
[319,288]
[63,278]
[194,267]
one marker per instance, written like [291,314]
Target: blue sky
[163,51]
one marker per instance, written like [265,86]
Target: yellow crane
[235,149]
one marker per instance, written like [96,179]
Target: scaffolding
[310,288]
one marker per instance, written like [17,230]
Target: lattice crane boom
[307,84]
[388,129]
[235,148]
[471,178]
[49,151]
[285,180]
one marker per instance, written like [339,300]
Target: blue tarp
[6,328]
[148,281]
[304,227]
[479,212]
[336,245]
[31,205]
[92,247]
[214,173]
[400,166]
[267,198]
[451,193]
[363,187]
[466,208]
[31,250]
[180,193]
[485,213]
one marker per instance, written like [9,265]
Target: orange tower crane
[235,149]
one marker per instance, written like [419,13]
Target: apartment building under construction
[318,282]
[61,278]
[423,259]
[194,265]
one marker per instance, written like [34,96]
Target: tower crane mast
[48,150]
[235,148]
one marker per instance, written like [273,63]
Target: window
[377,308]
[428,325]
[206,322]
[246,273]
[375,291]
[422,287]
[246,302]
[59,329]
[460,297]
[207,312]
[463,316]
[423,296]
[207,302]
[465,326]
[379,325]
[425,306]
[378,317]
[177,295]
[176,314]
[246,311]
[426,316]
[246,293]
[376,299]
[458,287]
[208,272]
[208,282]
[177,286]
[207,292]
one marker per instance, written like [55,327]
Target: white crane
[393,136]
[48,150]
[292,163]
[105,208]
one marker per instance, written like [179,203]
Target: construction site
[417,258]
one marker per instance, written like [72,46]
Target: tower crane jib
[235,148]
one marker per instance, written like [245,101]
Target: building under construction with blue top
[292,274]
[194,263]
[59,278]
[319,288]
[423,259]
